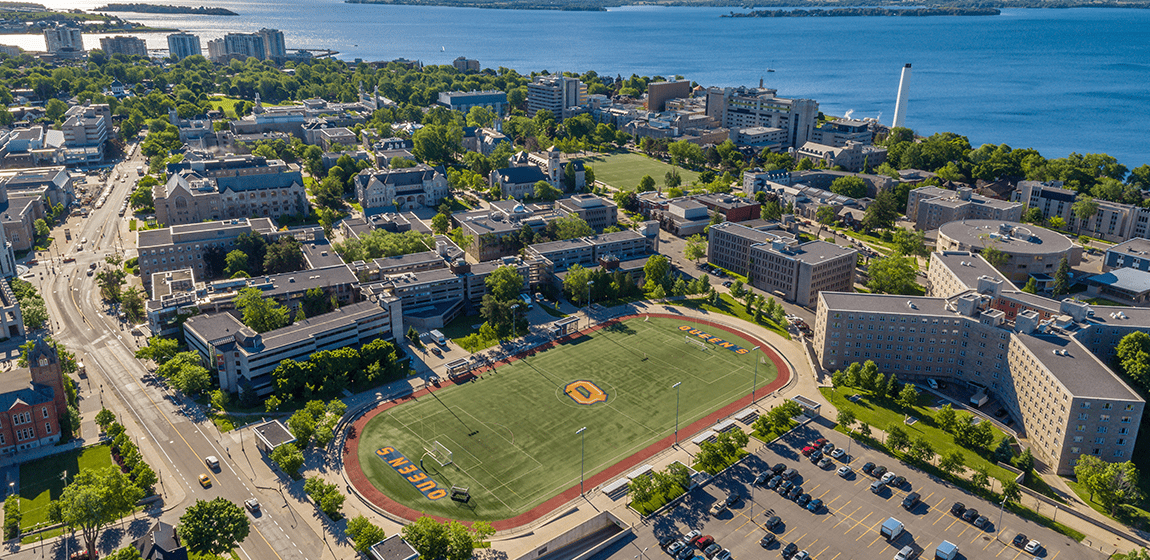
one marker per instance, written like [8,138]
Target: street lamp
[582,456]
[1001,509]
[676,388]
[756,380]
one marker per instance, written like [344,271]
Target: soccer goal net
[440,453]
[702,345]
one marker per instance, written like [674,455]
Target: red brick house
[32,400]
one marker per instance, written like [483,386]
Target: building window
[44,410]
[47,427]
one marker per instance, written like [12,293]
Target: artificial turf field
[512,433]
[624,170]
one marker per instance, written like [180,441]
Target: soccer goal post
[440,453]
[702,345]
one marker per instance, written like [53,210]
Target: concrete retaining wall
[583,530]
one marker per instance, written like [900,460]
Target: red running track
[379,499]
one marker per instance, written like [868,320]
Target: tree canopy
[213,527]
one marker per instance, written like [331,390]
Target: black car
[790,550]
[910,501]
[790,473]
[785,486]
[778,468]
[774,482]
[1020,540]
[795,492]
[762,478]
[816,456]
[773,522]
[878,471]
[868,468]
[666,541]
[970,514]
[767,540]
[957,509]
[803,500]
[733,498]
[897,481]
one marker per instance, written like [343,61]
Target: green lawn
[623,170]
[884,415]
[1104,301]
[40,481]
[464,325]
[512,433]
[728,306]
[227,104]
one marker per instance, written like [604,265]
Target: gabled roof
[520,175]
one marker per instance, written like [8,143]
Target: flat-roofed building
[1114,222]
[183,45]
[839,133]
[599,212]
[555,93]
[1029,249]
[1134,253]
[778,264]
[930,207]
[184,246]
[85,130]
[744,107]
[462,101]
[658,93]
[954,272]
[1044,362]
[245,359]
[127,46]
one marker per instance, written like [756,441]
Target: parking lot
[848,526]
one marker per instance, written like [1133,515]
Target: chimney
[900,103]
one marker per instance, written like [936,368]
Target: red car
[808,450]
[819,443]
[704,541]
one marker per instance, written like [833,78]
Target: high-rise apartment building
[744,107]
[238,45]
[273,44]
[127,46]
[64,39]
[556,93]
[183,45]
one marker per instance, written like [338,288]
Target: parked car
[802,555]
[819,443]
[767,540]
[957,509]
[778,468]
[824,462]
[667,541]
[712,550]
[1033,547]
[789,550]
[774,482]
[790,473]
[886,478]
[877,486]
[675,548]
[718,507]
[816,456]
[868,468]
[808,450]
[785,486]
[704,542]
[723,555]
[687,552]
[910,501]
[845,471]
[898,481]
[691,537]
[803,500]
[795,492]
[878,471]
[981,521]
[772,522]
[838,453]
[970,515]
[762,478]
[734,498]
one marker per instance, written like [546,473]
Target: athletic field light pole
[582,456]
[756,380]
[589,284]
[676,388]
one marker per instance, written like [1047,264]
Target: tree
[326,496]
[981,478]
[846,418]
[1062,278]
[427,536]
[672,179]
[104,418]
[921,450]
[1031,286]
[883,211]
[864,430]
[214,527]
[779,417]
[908,397]
[504,284]
[826,215]
[657,271]
[544,191]
[995,256]
[34,312]
[132,303]
[236,262]
[12,517]
[569,176]
[1133,356]
[893,275]
[437,143]
[94,499]
[641,488]
[1137,554]
[1084,208]
[849,185]
[1056,222]
[363,533]
[1034,216]
[569,227]
[302,426]
[946,418]
[440,223]
[952,463]
[910,242]
[696,247]
[647,183]
[159,349]
[42,229]
[896,438]
[285,255]
[184,372]
[1011,491]
[261,314]
[1024,461]
[109,281]
[288,458]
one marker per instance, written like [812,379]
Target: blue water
[1054,80]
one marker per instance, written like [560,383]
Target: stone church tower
[44,363]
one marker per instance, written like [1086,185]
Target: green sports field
[624,170]
[512,433]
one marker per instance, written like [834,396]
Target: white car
[838,453]
[723,555]
[675,548]
[886,478]
[1033,547]
[844,471]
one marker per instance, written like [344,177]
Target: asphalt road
[182,437]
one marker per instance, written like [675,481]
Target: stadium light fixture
[582,456]
[676,388]
[756,381]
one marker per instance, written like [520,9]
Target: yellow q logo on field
[585,392]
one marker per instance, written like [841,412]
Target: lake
[1057,80]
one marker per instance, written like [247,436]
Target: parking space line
[836,556]
[849,517]
[868,530]
[1055,554]
[822,551]
[978,534]
[874,541]
[952,523]
[988,543]
[860,521]
[928,497]
[825,492]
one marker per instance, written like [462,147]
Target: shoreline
[856,8]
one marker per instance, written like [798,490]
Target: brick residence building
[32,400]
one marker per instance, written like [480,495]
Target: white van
[527,301]
[438,337]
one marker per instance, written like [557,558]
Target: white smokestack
[900,104]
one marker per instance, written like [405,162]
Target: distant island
[869,12]
[957,7]
[162,9]
[33,18]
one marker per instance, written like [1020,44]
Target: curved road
[179,435]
